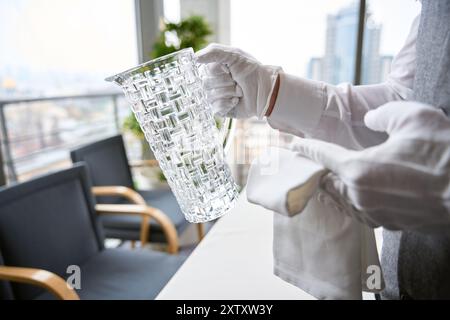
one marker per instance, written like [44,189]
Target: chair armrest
[40,278]
[119,191]
[144,163]
[147,213]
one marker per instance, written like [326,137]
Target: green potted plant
[192,32]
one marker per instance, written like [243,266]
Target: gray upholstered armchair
[110,173]
[52,222]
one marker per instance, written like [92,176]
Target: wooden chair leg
[146,213]
[145,230]
[200,231]
[133,244]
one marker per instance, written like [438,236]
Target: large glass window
[313,39]
[306,38]
[387,26]
[52,47]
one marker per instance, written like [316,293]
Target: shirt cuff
[274,186]
[299,106]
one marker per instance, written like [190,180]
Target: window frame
[147,23]
[360,42]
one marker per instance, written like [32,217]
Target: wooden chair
[110,173]
[52,222]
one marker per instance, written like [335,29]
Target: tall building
[340,45]
[315,69]
[371,64]
[338,63]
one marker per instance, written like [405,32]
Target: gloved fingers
[218,82]
[223,93]
[215,69]
[381,207]
[387,117]
[217,53]
[332,184]
[327,154]
[335,193]
[386,200]
[223,107]
[396,115]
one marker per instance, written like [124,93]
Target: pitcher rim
[145,64]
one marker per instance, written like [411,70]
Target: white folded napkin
[322,250]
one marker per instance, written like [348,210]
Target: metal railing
[6,143]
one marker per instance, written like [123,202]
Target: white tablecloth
[234,261]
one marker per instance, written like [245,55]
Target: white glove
[403,183]
[238,85]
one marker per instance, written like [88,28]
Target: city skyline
[337,65]
[55,48]
[64,47]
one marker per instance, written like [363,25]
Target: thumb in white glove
[238,85]
[403,183]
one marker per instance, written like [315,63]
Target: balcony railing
[37,134]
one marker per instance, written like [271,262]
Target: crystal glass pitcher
[169,102]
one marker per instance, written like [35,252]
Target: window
[313,39]
[316,40]
[52,47]
[304,37]
[387,26]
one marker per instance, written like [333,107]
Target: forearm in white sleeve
[327,112]
[336,113]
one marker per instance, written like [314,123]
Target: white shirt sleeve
[336,113]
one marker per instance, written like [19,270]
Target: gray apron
[415,265]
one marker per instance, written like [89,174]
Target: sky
[289,33]
[84,37]
[75,35]
[396,17]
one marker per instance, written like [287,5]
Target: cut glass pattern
[168,100]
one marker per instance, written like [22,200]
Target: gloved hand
[238,85]
[403,183]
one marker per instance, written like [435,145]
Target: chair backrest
[48,223]
[107,164]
